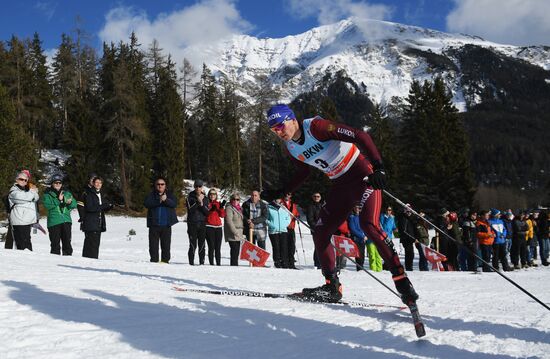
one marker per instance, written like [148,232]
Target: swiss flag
[434,257]
[346,246]
[254,254]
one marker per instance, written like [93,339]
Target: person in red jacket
[214,231]
[486,237]
[291,233]
[349,158]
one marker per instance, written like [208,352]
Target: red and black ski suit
[347,189]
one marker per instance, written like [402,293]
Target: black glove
[378,178]
[224,202]
[271,195]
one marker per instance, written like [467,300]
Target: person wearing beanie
[22,199]
[499,244]
[197,210]
[93,224]
[350,159]
[518,252]
[59,203]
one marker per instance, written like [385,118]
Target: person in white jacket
[23,198]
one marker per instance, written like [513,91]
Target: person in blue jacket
[161,216]
[499,244]
[278,219]
[359,237]
[387,222]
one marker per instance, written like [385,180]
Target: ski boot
[405,288]
[330,292]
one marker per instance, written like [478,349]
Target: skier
[349,158]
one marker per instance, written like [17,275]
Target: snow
[123,306]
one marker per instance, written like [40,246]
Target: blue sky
[509,21]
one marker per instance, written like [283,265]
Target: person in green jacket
[59,203]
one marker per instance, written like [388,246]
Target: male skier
[351,160]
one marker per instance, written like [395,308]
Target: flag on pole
[346,245]
[434,257]
[254,254]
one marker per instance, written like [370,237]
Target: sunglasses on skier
[278,127]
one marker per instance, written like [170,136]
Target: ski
[292,296]
[417,320]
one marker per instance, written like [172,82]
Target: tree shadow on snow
[205,329]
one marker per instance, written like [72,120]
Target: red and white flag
[346,246]
[434,257]
[254,254]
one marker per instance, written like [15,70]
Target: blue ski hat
[279,113]
[494,212]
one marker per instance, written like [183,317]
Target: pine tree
[434,152]
[384,135]
[17,149]
[231,145]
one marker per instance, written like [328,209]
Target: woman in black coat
[93,224]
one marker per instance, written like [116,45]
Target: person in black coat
[93,223]
[312,216]
[406,228]
[197,210]
[161,216]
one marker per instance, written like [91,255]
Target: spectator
[255,218]
[95,206]
[59,203]
[278,221]
[291,234]
[312,216]
[197,210]
[421,237]
[470,240]
[22,199]
[531,240]
[359,237]
[448,223]
[486,237]
[518,253]
[508,220]
[387,222]
[214,232]
[544,237]
[161,216]
[499,244]
[233,227]
[80,204]
[406,228]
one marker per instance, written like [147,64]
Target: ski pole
[467,249]
[348,257]
[302,241]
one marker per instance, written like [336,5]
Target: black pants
[291,240]
[361,259]
[499,255]
[22,236]
[409,255]
[471,261]
[197,237]
[518,252]
[486,252]
[164,236]
[60,239]
[91,244]
[279,242]
[235,249]
[214,237]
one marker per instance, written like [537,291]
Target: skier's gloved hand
[378,178]
[224,202]
[271,195]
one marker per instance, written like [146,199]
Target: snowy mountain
[384,57]
[122,306]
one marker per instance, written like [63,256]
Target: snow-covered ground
[122,306]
